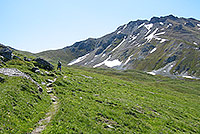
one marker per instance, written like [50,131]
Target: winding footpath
[54,108]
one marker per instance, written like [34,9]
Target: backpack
[59,63]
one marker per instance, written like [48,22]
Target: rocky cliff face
[168,44]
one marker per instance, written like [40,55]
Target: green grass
[21,104]
[100,101]
[130,102]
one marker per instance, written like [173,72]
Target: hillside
[94,100]
[163,45]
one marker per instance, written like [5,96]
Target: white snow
[195,43]
[113,63]
[141,25]
[97,65]
[189,77]
[161,23]
[96,56]
[151,36]
[157,38]
[139,45]
[169,25]
[160,33]
[129,58]
[149,26]
[105,50]
[163,40]
[108,63]
[153,50]
[118,32]
[147,32]
[198,25]
[78,60]
[103,55]
[119,45]
[152,73]
[132,37]
[124,26]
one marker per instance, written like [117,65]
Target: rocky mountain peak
[168,43]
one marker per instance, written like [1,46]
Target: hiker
[59,65]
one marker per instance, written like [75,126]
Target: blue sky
[38,25]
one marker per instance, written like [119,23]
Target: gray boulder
[5,52]
[43,64]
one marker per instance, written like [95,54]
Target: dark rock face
[16,57]
[171,59]
[35,69]
[43,64]
[6,52]
[189,24]
[27,59]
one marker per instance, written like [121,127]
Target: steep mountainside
[164,45]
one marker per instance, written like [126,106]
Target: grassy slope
[21,104]
[108,101]
[129,102]
[65,56]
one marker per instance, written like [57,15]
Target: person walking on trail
[59,65]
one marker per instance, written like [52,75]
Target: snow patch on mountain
[119,45]
[163,40]
[161,23]
[118,32]
[198,25]
[169,25]
[153,50]
[149,26]
[132,37]
[125,27]
[147,32]
[195,43]
[78,60]
[129,58]
[165,71]
[103,55]
[152,35]
[160,33]
[141,25]
[108,63]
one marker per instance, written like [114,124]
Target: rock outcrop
[43,64]
[5,52]
[16,72]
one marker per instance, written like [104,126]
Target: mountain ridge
[146,45]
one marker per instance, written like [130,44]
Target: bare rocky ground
[16,72]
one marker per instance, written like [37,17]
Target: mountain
[163,45]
